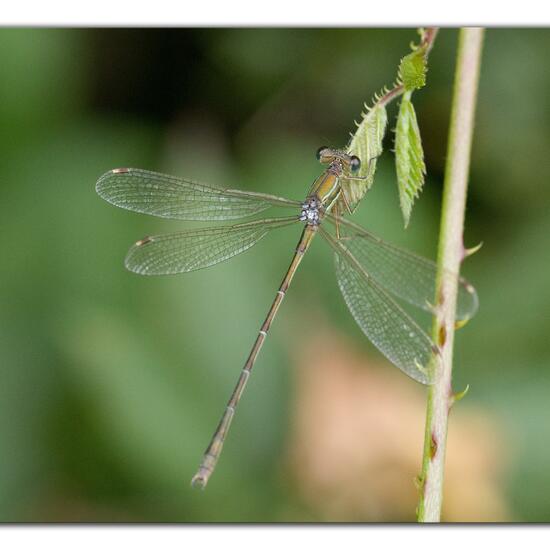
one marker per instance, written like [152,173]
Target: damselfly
[368,270]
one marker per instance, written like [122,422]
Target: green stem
[450,255]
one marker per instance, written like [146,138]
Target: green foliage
[366,143]
[409,156]
[413,68]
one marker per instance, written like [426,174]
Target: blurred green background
[112,383]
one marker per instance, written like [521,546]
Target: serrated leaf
[409,156]
[412,69]
[366,143]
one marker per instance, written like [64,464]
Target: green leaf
[412,69]
[366,143]
[409,156]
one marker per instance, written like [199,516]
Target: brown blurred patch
[357,438]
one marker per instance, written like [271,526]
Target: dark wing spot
[143,241]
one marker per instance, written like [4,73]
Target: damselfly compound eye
[320,151]
[354,163]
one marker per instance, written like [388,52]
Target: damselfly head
[326,155]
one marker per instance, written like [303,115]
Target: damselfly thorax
[326,190]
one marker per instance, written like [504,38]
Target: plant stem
[451,252]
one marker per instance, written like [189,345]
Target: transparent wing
[403,273]
[197,248]
[382,320]
[176,198]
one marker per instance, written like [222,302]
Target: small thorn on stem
[467,252]
[461,323]
[457,396]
